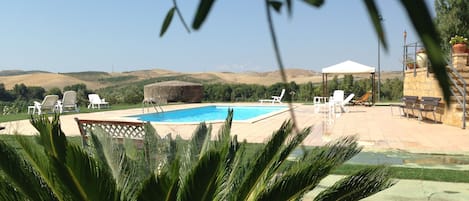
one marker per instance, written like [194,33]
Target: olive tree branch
[180,16]
[279,61]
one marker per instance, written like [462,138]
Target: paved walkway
[375,127]
[408,190]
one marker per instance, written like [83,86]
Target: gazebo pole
[372,88]
[322,85]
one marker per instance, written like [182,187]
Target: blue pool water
[211,113]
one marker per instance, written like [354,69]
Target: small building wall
[420,83]
[173,91]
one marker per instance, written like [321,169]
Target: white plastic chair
[69,102]
[345,102]
[49,103]
[96,101]
[275,99]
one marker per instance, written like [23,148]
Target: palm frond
[197,141]
[357,186]
[85,177]
[233,172]
[163,187]
[291,145]
[52,137]
[297,181]
[9,192]
[338,151]
[263,162]
[22,175]
[127,173]
[150,147]
[200,183]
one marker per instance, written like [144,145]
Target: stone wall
[422,82]
[173,91]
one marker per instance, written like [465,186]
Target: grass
[22,116]
[441,175]
[444,175]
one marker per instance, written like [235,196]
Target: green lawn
[21,116]
[346,169]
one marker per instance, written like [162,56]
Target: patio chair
[428,104]
[96,101]
[275,99]
[346,101]
[363,100]
[49,103]
[337,97]
[69,102]
[410,103]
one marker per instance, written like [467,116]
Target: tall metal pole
[404,54]
[379,64]
[379,71]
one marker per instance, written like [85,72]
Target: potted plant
[410,63]
[459,44]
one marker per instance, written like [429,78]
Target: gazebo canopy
[348,67]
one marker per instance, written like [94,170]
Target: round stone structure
[173,91]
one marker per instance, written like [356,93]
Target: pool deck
[376,128]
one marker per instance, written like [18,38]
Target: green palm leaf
[163,188]
[128,174]
[150,147]
[22,175]
[200,183]
[90,180]
[294,183]
[8,192]
[52,137]
[261,165]
[360,185]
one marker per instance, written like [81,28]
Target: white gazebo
[348,67]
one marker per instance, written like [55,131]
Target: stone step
[464,74]
[454,98]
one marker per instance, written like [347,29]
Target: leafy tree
[20,91]
[55,91]
[35,92]
[452,18]
[392,89]
[51,168]
[132,95]
[347,83]
[333,84]
[4,94]
[82,92]
[306,92]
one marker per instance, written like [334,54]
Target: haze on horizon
[117,36]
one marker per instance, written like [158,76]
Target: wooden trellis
[115,129]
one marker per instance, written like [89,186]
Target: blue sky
[123,35]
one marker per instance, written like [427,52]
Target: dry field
[92,79]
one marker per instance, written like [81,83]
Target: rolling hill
[97,79]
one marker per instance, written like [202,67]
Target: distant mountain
[19,72]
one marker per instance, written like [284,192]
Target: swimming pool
[213,113]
